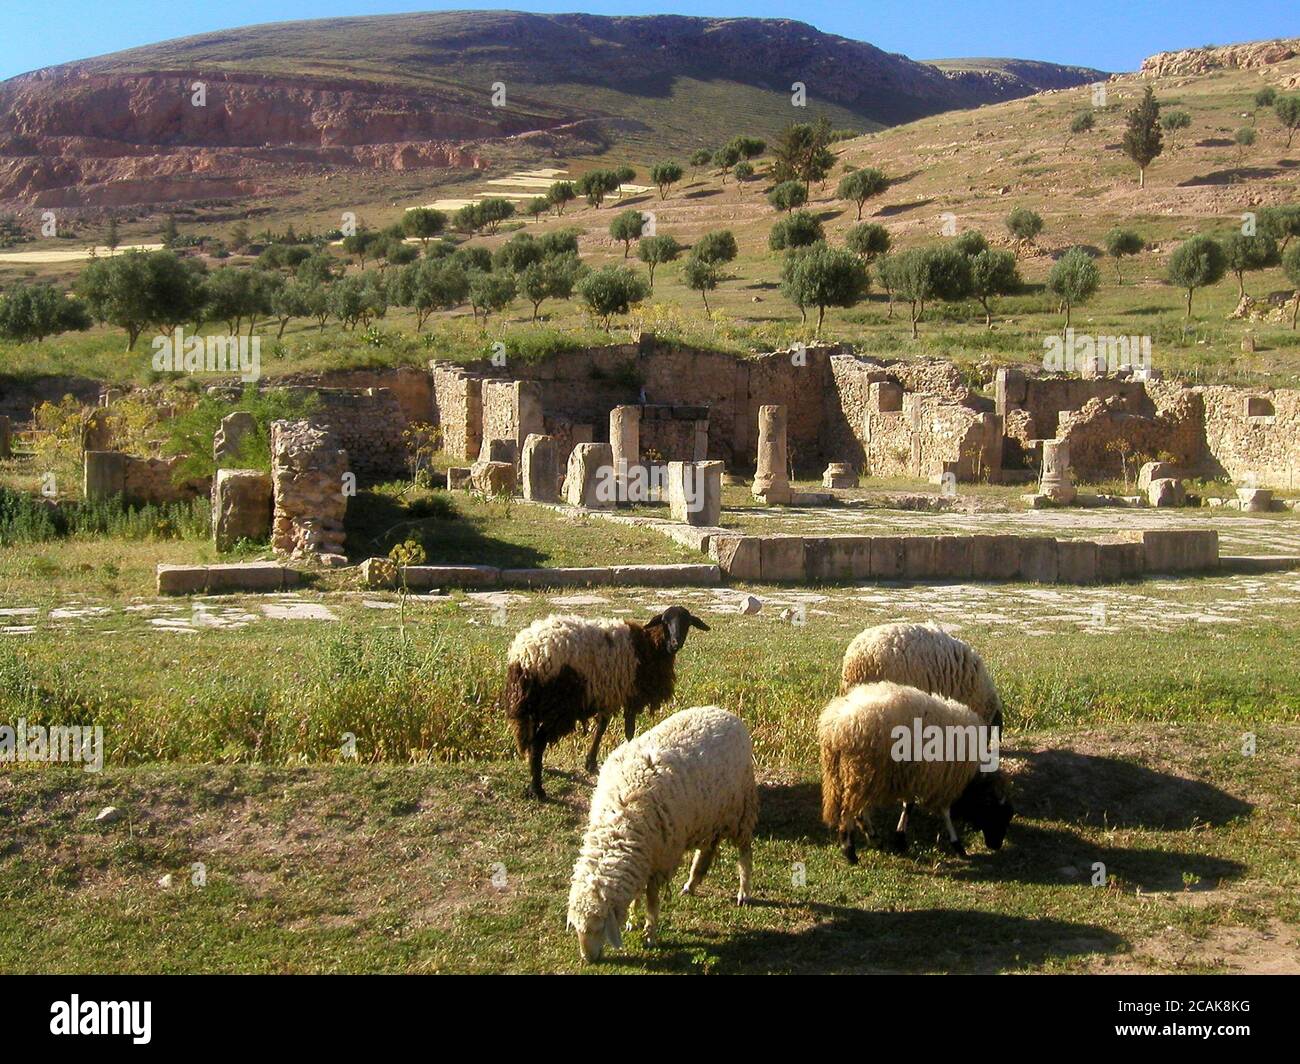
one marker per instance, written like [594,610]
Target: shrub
[797,230]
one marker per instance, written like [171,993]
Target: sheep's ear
[657,621]
[697,623]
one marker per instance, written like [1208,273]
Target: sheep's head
[676,621]
[986,805]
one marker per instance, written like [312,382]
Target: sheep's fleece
[600,651]
[858,769]
[925,657]
[680,786]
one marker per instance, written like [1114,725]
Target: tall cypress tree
[1142,137]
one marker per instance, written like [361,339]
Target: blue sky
[1110,34]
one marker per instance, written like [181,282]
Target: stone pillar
[625,443]
[241,506]
[839,475]
[230,436]
[105,475]
[307,479]
[589,481]
[499,451]
[6,437]
[771,481]
[695,492]
[1056,482]
[528,411]
[540,468]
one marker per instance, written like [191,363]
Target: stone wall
[1254,434]
[140,481]
[368,424]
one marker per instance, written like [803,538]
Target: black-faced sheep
[686,784]
[868,740]
[925,657]
[564,670]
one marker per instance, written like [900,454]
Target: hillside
[300,99]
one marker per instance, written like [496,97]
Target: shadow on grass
[377,521]
[1098,791]
[1232,176]
[901,208]
[856,940]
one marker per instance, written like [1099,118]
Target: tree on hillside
[1281,223]
[536,207]
[801,152]
[139,289]
[1120,243]
[992,273]
[363,241]
[288,301]
[703,276]
[920,275]
[725,158]
[1291,267]
[1244,138]
[821,277]
[1265,97]
[665,175]
[1074,280]
[970,243]
[699,157]
[867,240]
[1287,109]
[886,271]
[490,293]
[1081,123]
[611,290]
[561,194]
[654,250]
[423,223]
[1024,225]
[1245,254]
[517,253]
[170,234]
[33,312]
[625,176]
[1142,138]
[552,278]
[494,211]
[558,242]
[597,184]
[796,230]
[744,171]
[1173,122]
[787,196]
[429,286]
[1196,263]
[627,227]
[111,238]
[718,246]
[748,147]
[860,185]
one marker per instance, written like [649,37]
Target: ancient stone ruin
[310,483]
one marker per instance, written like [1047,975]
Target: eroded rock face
[308,477]
[1229,57]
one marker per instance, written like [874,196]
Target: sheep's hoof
[535,793]
[651,939]
[850,854]
[688,888]
[742,899]
[900,841]
[592,768]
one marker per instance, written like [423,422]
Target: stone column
[310,490]
[589,481]
[540,468]
[625,442]
[695,492]
[771,481]
[1056,483]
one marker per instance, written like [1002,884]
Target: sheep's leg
[900,832]
[602,722]
[700,866]
[535,750]
[953,838]
[629,723]
[631,913]
[652,913]
[746,865]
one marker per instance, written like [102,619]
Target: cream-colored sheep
[686,784]
[926,657]
[876,750]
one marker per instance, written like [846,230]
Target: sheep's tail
[514,696]
[832,789]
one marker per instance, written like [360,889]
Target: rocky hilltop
[399,92]
[1251,56]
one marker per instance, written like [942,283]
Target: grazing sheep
[564,670]
[866,764]
[926,657]
[686,784]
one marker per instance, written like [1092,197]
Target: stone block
[1076,561]
[1155,471]
[182,579]
[589,480]
[839,475]
[104,475]
[739,557]
[781,559]
[1178,550]
[458,478]
[1119,559]
[850,557]
[1255,500]
[230,436]
[695,492]
[1166,492]
[920,557]
[1039,559]
[493,478]
[887,557]
[995,557]
[242,505]
[953,557]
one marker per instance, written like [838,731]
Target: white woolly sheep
[868,762]
[687,783]
[926,657]
[564,670]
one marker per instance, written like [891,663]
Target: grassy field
[1124,744]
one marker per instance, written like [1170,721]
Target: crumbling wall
[1253,434]
[307,477]
[369,425]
